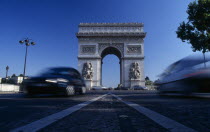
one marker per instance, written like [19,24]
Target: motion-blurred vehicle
[124,88]
[100,88]
[111,88]
[96,88]
[57,80]
[117,88]
[138,87]
[104,88]
[120,87]
[187,75]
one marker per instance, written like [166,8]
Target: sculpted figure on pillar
[134,71]
[87,71]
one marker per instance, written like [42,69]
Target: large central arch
[125,40]
[113,51]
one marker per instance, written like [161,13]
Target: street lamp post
[27,42]
[7,68]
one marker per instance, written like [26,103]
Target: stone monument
[125,40]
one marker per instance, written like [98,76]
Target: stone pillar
[135,73]
[88,83]
[120,71]
[134,82]
[101,73]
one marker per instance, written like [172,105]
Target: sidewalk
[11,88]
[9,92]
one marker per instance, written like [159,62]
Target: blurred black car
[138,87]
[60,80]
[121,88]
[186,76]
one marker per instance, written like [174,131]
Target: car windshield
[58,71]
[185,63]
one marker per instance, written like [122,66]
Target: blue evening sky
[52,24]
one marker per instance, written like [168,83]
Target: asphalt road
[104,111]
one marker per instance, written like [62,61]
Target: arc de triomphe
[125,40]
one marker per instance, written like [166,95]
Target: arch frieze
[118,46]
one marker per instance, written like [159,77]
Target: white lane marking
[165,122]
[39,124]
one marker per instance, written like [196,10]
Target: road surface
[104,111]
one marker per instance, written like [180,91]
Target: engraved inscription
[134,49]
[88,49]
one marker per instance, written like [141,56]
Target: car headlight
[51,80]
[62,80]
[28,80]
[56,80]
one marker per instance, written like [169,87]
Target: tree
[148,81]
[196,30]
[13,75]
[21,75]
[147,78]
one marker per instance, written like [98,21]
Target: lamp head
[32,43]
[21,42]
[7,68]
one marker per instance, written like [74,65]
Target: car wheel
[83,90]
[70,90]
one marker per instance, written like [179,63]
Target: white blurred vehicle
[187,75]
[104,88]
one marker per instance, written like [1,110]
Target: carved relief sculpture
[134,71]
[87,71]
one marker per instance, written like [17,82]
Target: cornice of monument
[133,57]
[88,57]
[111,25]
[110,34]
